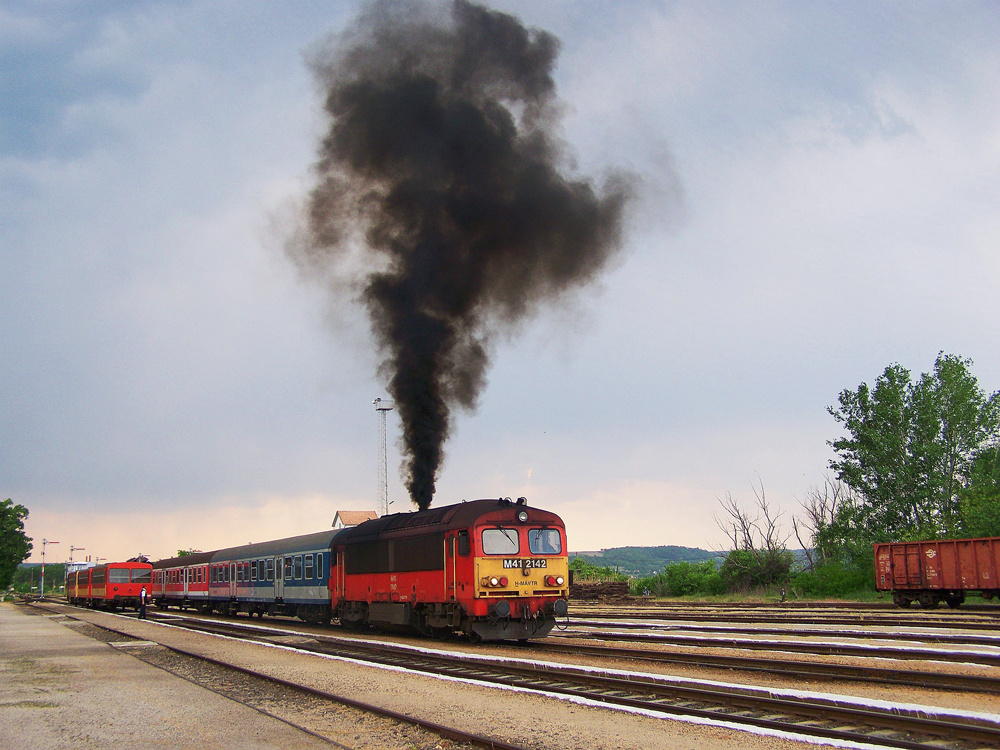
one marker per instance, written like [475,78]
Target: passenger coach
[284,577]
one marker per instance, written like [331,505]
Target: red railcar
[111,586]
[938,571]
[492,569]
[78,586]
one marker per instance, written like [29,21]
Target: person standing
[142,603]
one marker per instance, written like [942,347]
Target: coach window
[141,575]
[253,571]
[320,573]
[288,568]
[269,567]
[297,572]
[500,542]
[310,573]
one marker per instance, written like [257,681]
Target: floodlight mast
[381,407]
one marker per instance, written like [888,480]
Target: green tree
[14,545]
[910,453]
[979,505]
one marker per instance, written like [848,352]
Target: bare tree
[759,556]
[821,506]
[757,533]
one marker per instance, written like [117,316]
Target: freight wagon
[938,571]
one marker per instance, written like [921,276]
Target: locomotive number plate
[514,562]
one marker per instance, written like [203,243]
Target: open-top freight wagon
[938,571]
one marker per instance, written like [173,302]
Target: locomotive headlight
[494,581]
[522,516]
[559,580]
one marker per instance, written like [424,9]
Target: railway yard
[614,675]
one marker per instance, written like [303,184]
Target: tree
[14,545]
[758,556]
[821,506]
[910,452]
[979,504]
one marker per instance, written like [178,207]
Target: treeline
[27,578]
[640,561]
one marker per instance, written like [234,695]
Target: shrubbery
[682,579]
[834,580]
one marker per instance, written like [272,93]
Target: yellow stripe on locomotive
[522,576]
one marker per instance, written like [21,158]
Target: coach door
[232,580]
[279,579]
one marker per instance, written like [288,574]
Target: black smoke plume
[440,187]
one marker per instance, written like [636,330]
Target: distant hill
[644,561]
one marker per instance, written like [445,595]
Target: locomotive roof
[446,517]
[305,542]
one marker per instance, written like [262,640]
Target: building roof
[354,517]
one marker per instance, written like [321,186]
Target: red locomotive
[935,571]
[492,569]
[109,586]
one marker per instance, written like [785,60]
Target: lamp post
[41,592]
[383,475]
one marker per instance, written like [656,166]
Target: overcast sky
[821,183]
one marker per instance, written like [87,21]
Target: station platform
[62,689]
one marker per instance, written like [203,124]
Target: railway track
[828,648]
[805,670]
[961,639]
[787,712]
[949,620]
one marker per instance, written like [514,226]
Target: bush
[682,579]
[746,570]
[835,580]
[585,571]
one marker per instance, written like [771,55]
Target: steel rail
[784,667]
[829,649]
[814,618]
[949,638]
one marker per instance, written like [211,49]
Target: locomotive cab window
[500,541]
[544,541]
[464,544]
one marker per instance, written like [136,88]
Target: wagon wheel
[928,600]
[955,599]
[900,599]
